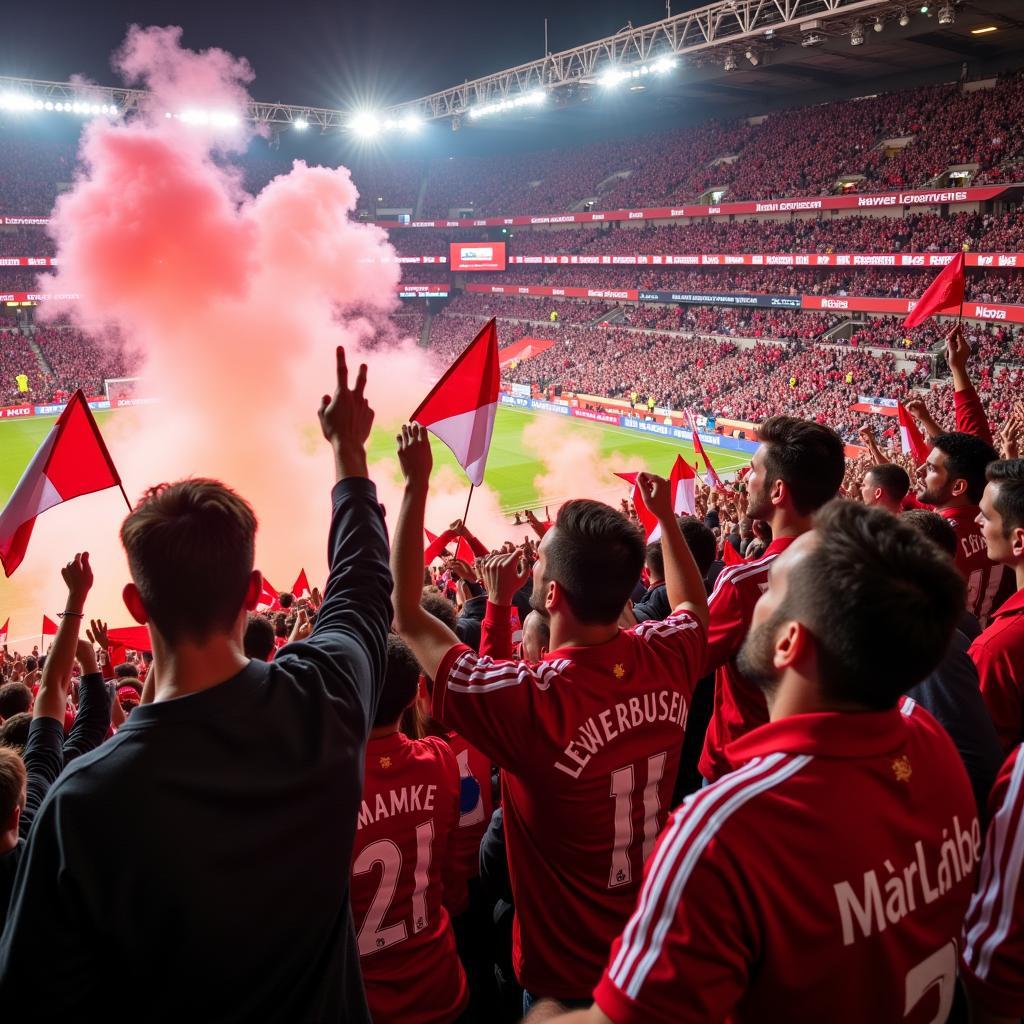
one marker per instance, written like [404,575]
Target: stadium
[665,304]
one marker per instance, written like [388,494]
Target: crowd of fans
[566,778]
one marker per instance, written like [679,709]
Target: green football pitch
[511,467]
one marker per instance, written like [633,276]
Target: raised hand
[415,456]
[97,633]
[502,575]
[657,494]
[302,628]
[917,409]
[346,420]
[78,577]
[957,350]
[86,657]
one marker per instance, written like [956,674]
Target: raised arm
[683,580]
[867,435]
[970,414]
[502,576]
[427,637]
[919,411]
[348,643]
[94,706]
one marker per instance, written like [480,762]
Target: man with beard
[952,479]
[826,878]
[588,739]
[798,467]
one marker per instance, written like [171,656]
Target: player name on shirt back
[623,716]
[406,800]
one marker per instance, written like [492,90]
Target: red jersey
[589,741]
[406,944]
[999,656]
[993,957]
[824,880]
[476,805]
[988,583]
[739,704]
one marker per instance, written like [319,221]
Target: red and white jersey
[588,740]
[993,946]
[824,880]
[988,583]
[739,704]
[476,805]
[999,656]
[406,944]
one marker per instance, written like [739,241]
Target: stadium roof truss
[696,37]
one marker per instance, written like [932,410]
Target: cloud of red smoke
[236,303]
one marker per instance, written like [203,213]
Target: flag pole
[123,495]
[465,515]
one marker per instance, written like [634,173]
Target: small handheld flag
[72,460]
[943,295]
[461,406]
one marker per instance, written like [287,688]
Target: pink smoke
[236,303]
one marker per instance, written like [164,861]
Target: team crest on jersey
[901,768]
[384,762]
[619,671]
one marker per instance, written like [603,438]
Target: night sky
[324,54]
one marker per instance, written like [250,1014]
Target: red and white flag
[4,631]
[49,626]
[714,481]
[461,406]
[301,586]
[681,481]
[72,460]
[269,597]
[944,295]
[911,440]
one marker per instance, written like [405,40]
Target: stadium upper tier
[896,140]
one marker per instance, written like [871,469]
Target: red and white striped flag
[461,406]
[714,481]
[71,461]
[4,631]
[301,586]
[911,440]
[269,597]
[681,481]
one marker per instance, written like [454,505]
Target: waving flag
[49,626]
[72,461]
[4,631]
[911,440]
[301,586]
[460,408]
[269,597]
[943,295]
[680,480]
[714,481]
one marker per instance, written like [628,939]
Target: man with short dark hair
[805,885]
[999,651]
[15,699]
[403,847]
[797,468]
[885,485]
[235,791]
[258,641]
[952,480]
[13,794]
[588,739]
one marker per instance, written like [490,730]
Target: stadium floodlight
[879,24]
[18,101]
[411,123]
[947,15]
[365,124]
[924,8]
[730,62]
[663,65]
[611,77]
[300,124]
[752,57]
[857,34]
[904,19]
